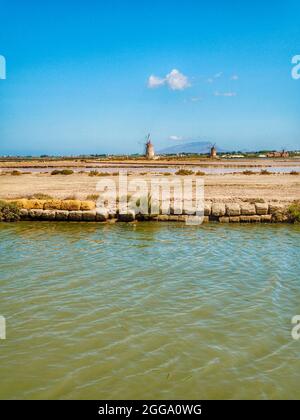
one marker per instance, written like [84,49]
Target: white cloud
[154,82]
[228,94]
[196,99]
[176,138]
[217,75]
[234,77]
[175,80]
[210,80]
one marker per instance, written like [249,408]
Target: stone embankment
[76,210]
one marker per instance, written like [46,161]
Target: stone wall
[76,210]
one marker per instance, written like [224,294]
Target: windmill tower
[149,148]
[213,151]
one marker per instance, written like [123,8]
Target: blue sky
[78,75]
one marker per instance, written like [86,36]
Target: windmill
[213,151]
[149,149]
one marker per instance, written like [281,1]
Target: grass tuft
[184,172]
[9,212]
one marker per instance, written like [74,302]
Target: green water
[151,310]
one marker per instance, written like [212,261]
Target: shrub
[247,172]
[16,173]
[9,212]
[67,172]
[62,172]
[294,173]
[93,173]
[184,172]
[200,173]
[293,212]
[265,172]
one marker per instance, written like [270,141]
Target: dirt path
[230,187]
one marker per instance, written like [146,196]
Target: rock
[61,215]
[255,219]
[112,215]
[89,216]
[173,218]
[145,217]
[112,221]
[233,209]
[207,209]
[101,216]
[218,209]
[48,214]
[274,208]
[71,205]
[247,209]
[35,213]
[23,213]
[206,219]
[234,219]
[127,217]
[87,205]
[250,219]
[266,218]
[35,204]
[75,216]
[279,217]
[224,219]
[162,218]
[52,205]
[261,208]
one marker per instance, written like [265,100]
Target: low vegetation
[16,173]
[9,212]
[247,172]
[62,172]
[293,212]
[93,173]
[200,173]
[265,172]
[294,173]
[184,172]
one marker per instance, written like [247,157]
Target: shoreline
[86,211]
[155,163]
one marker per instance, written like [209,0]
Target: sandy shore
[229,187]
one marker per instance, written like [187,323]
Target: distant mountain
[194,147]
